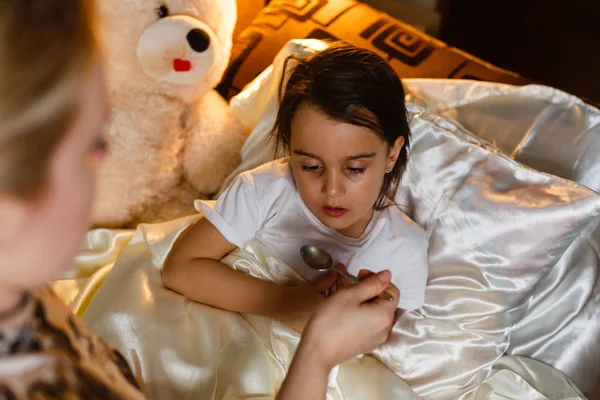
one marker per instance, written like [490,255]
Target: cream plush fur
[172,138]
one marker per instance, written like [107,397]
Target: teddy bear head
[179,48]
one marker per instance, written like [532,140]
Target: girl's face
[40,236]
[338,169]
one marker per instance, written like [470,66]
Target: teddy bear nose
[198,40]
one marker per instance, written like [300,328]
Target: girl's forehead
[315,129]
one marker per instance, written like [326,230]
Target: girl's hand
[352,322]
[302,301]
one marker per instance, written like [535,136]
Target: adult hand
[342,282]
[353,321]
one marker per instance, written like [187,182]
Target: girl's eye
[100,146]
[162,11]
[96,154]
[311,168]
[357,170]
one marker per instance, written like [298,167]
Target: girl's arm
[193,269]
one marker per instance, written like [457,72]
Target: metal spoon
[319,259]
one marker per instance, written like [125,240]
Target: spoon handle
[353,279]
[347,275]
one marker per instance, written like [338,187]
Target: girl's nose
[333,186]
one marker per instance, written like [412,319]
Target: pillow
[411,52]
[539,126]
[496,228]
[246,11]
[556,133]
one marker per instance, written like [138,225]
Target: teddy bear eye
[162,11]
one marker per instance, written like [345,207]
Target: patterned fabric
[246,11]
[412,53]
[46,352]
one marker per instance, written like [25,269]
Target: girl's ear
[395,152]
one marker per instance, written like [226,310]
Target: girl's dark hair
[351,85]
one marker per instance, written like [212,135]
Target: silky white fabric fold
[182,349]
[96,258]
[515,377]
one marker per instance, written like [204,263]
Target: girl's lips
[334,212]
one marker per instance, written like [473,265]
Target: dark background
[554,42]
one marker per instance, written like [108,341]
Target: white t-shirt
[264,204]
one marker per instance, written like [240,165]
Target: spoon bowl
[316,258]
[320,260]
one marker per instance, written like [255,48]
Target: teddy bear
[171,137]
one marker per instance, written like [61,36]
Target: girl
[342,120]
[52,106]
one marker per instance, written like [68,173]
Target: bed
[504,177]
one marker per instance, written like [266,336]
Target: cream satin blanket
[185,350]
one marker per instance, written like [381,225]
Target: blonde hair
[46,51]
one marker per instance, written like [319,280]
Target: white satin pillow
[496,229]
[539,126]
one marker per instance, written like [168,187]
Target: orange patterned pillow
[412,53]
[246,11]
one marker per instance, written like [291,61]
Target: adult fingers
[392,291]
[364,273]
[370,287]
[325,282]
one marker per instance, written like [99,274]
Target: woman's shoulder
[45,346]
